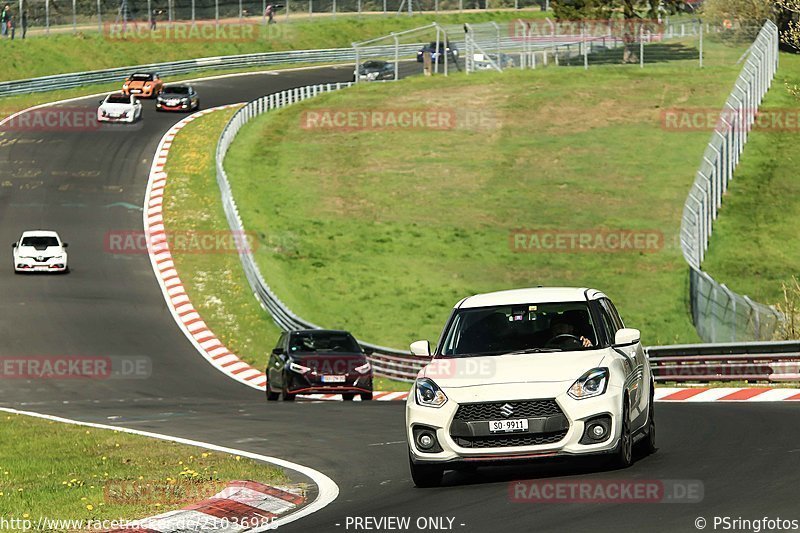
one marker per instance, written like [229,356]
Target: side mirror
[627,336]
[101,101]
[13,245]
[368,351]
[64,244]
[277,351]
[421,348]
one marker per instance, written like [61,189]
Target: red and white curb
[186,316]
[726,394]
[182,310]
[241,506]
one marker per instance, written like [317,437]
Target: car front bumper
[313,384]
[22,265]
[575,412]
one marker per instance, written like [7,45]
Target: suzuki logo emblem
[507,410]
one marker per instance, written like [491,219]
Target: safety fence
[718,313]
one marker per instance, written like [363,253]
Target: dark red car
[318,361]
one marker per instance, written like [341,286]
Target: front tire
[649,442]
[622,456]
[272,396]
[348,397]
[366,396]
[425,476]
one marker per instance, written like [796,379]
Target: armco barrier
[386,361]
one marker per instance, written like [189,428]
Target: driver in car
[562,327]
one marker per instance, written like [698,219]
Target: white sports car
[40,251]
[119,107]
[529,373]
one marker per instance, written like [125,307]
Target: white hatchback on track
[119,107]
[525,374]
[40,251]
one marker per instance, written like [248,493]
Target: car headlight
[592,383]
[429,394]
[300,369]
[363,369]
[125,86]
[372,75]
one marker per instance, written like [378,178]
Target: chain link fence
[718,313]
[43,17]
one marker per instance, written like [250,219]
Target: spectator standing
[24,21]
[5,18]
[12,26]
[271,13]
[153,20]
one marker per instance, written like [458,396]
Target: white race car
[529,373]
[40,251]
[119,107]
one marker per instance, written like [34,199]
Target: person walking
[24,21]
[5,18]
[271,13]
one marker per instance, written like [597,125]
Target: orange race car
[143,85]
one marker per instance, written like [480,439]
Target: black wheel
[366,396]
[426,475]
[348,397]
[272,396]
[622,456]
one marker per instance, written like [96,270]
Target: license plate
[136,91]
[508,426]
[336,379]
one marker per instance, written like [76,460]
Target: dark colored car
[449,48]
[178,98]
[318,361]
[374,70]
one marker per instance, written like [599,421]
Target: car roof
[320,331]
[531,295]
[39,233]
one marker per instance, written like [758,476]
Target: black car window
[40,243]
[322,342]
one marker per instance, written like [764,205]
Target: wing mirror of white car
[627,336]
[13,245]
[421,348]
[64,244]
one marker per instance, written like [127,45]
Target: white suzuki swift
[525,374]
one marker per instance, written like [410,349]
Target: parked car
[318,361]
[525,374]
[374,70]
[143,84]
[178,98]
[40,251]
[435,51]
[119,107]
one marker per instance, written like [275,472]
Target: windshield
[520,328]
[323,342]
[40,243]
[374,64]
[119,99]
[141,77]
[177,90]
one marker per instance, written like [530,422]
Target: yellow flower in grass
[89,507]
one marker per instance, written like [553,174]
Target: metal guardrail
[388,362]
[266,59]
[718,313]
[703,363]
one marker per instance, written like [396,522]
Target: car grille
[471,412]
[502,441]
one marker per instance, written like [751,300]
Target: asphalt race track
[85,184]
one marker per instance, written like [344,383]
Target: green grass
[215,282]
[63,53]
[63,471]
[752,249]
[381,232]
